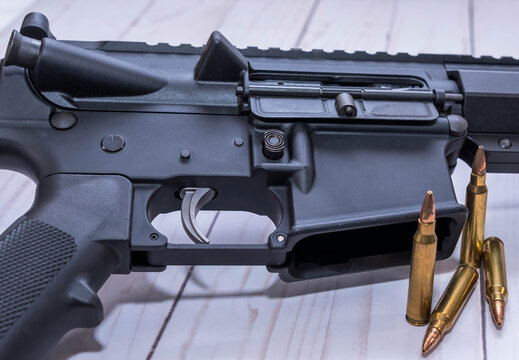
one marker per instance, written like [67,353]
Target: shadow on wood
[134,288]
[280,289]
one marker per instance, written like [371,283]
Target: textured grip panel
[31,255]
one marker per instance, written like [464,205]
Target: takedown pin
[194,199]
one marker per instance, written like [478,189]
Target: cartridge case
[495,270]
[474,230]
[454,298]
[421,278]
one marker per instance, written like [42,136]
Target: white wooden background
[245,312]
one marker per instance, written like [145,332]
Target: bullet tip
[431,340]
[479,165]
[428,214]
[497,309]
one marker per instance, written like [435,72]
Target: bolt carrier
[450,305]
[422,265]
[495,278]
[476,202]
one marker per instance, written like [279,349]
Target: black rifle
[336,149]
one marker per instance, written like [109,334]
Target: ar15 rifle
[336,149]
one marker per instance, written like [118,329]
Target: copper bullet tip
[427,214]
[479,165]
[431,340]
[497,309]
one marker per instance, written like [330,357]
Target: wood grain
[349,25]
[423,26]
[178,22]
[495,28]
[266,23]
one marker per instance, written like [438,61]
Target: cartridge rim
[416,322]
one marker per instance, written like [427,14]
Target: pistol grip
[54,259]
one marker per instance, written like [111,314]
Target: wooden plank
[424,26]
[349,25]
[178,22]
[172,23]
[79,20]
[495,30]
[266,23]
[371,26]
[98,19]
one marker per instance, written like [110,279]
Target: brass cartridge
[495,278]
[476,202]
[450,305]
[423,259]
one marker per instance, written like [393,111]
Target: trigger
[194,199]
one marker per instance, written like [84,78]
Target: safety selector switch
[194,199]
